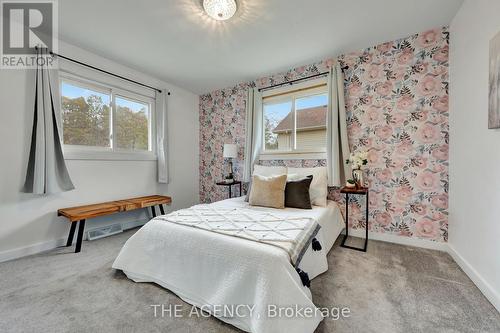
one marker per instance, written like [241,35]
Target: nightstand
[230,185]
[355,191]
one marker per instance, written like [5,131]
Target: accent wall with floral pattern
[397,109]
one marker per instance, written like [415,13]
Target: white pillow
[293,177]
[318,191]
[269,171]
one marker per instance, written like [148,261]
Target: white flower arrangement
[358,159]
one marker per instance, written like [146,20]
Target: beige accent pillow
[268,191]
[265,171]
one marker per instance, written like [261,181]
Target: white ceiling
[175,41]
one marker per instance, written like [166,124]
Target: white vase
[357,175]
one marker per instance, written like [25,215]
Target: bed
[210,270]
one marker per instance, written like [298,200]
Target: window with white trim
[295,121]
[102,121]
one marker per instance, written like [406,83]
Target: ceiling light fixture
[220,10]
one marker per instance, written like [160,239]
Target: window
[86,116]
[101,121]
[277,129]
[132,124]
[295,119]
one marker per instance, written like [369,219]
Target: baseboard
[491,294]
[417,242]
[31,249]
[52,244]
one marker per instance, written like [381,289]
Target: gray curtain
[253,131]
[337,149]
[46,172]
[161,136]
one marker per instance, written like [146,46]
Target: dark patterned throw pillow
[297,193]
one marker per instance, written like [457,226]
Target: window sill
[108,155]
[293,155]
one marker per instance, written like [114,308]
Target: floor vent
[104,231]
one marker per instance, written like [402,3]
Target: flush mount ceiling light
[220,10]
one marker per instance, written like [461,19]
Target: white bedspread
[211,269]
[292,234]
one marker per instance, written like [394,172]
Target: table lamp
[230,151]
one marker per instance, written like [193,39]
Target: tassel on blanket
[304,277]
[316,245]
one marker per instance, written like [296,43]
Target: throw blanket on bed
[292,234]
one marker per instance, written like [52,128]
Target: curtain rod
[104,71]
[298,80]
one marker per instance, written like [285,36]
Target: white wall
[28,223]
[474,229]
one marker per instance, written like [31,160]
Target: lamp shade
[230,151]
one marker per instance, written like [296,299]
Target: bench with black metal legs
[78,215]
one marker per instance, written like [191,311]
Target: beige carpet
[391,288]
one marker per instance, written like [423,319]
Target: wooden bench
[81,213]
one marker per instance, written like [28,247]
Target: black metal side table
[230,185]
[355,191]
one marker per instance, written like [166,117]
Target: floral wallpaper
[397,109]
